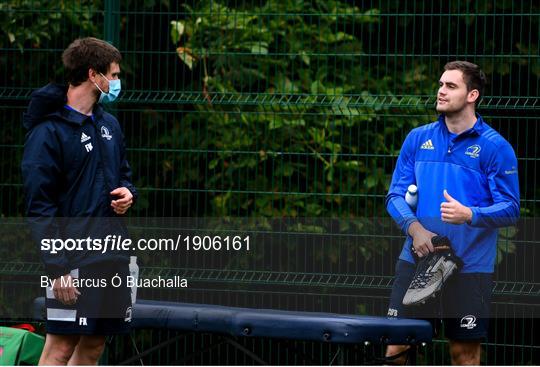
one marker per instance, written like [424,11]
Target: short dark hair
[473,76]
[88,53]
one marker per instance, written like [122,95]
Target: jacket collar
[478,127]
[70,115]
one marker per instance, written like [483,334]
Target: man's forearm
[414,227]
[400,211]
[497,215]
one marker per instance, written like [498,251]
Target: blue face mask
[114,90]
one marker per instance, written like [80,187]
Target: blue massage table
[275,324]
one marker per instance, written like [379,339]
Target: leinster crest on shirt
[473,151]
[105,133]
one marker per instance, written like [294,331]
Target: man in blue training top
[467,180]
[74,166]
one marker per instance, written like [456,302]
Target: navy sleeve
[502,175]
[403,176]
[41,172]
[125,172]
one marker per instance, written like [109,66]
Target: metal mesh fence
[286,109]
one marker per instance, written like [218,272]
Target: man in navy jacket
[467,180]
[75,174]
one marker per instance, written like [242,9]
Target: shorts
[101,309]
[463,303]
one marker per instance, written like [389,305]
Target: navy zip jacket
[71,163]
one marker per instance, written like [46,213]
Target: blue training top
[478,168]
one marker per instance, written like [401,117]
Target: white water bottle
[134,273]
[411,196]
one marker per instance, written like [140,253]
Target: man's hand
[422,245]
[124,201]
[64,291]
[452,211]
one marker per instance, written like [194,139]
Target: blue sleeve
[403,176]
[502,175]
[125,172]
[41,173]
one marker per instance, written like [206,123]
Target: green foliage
[505,243]
[299,148]
[28,23]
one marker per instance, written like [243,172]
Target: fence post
[111,22]
[111,29]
